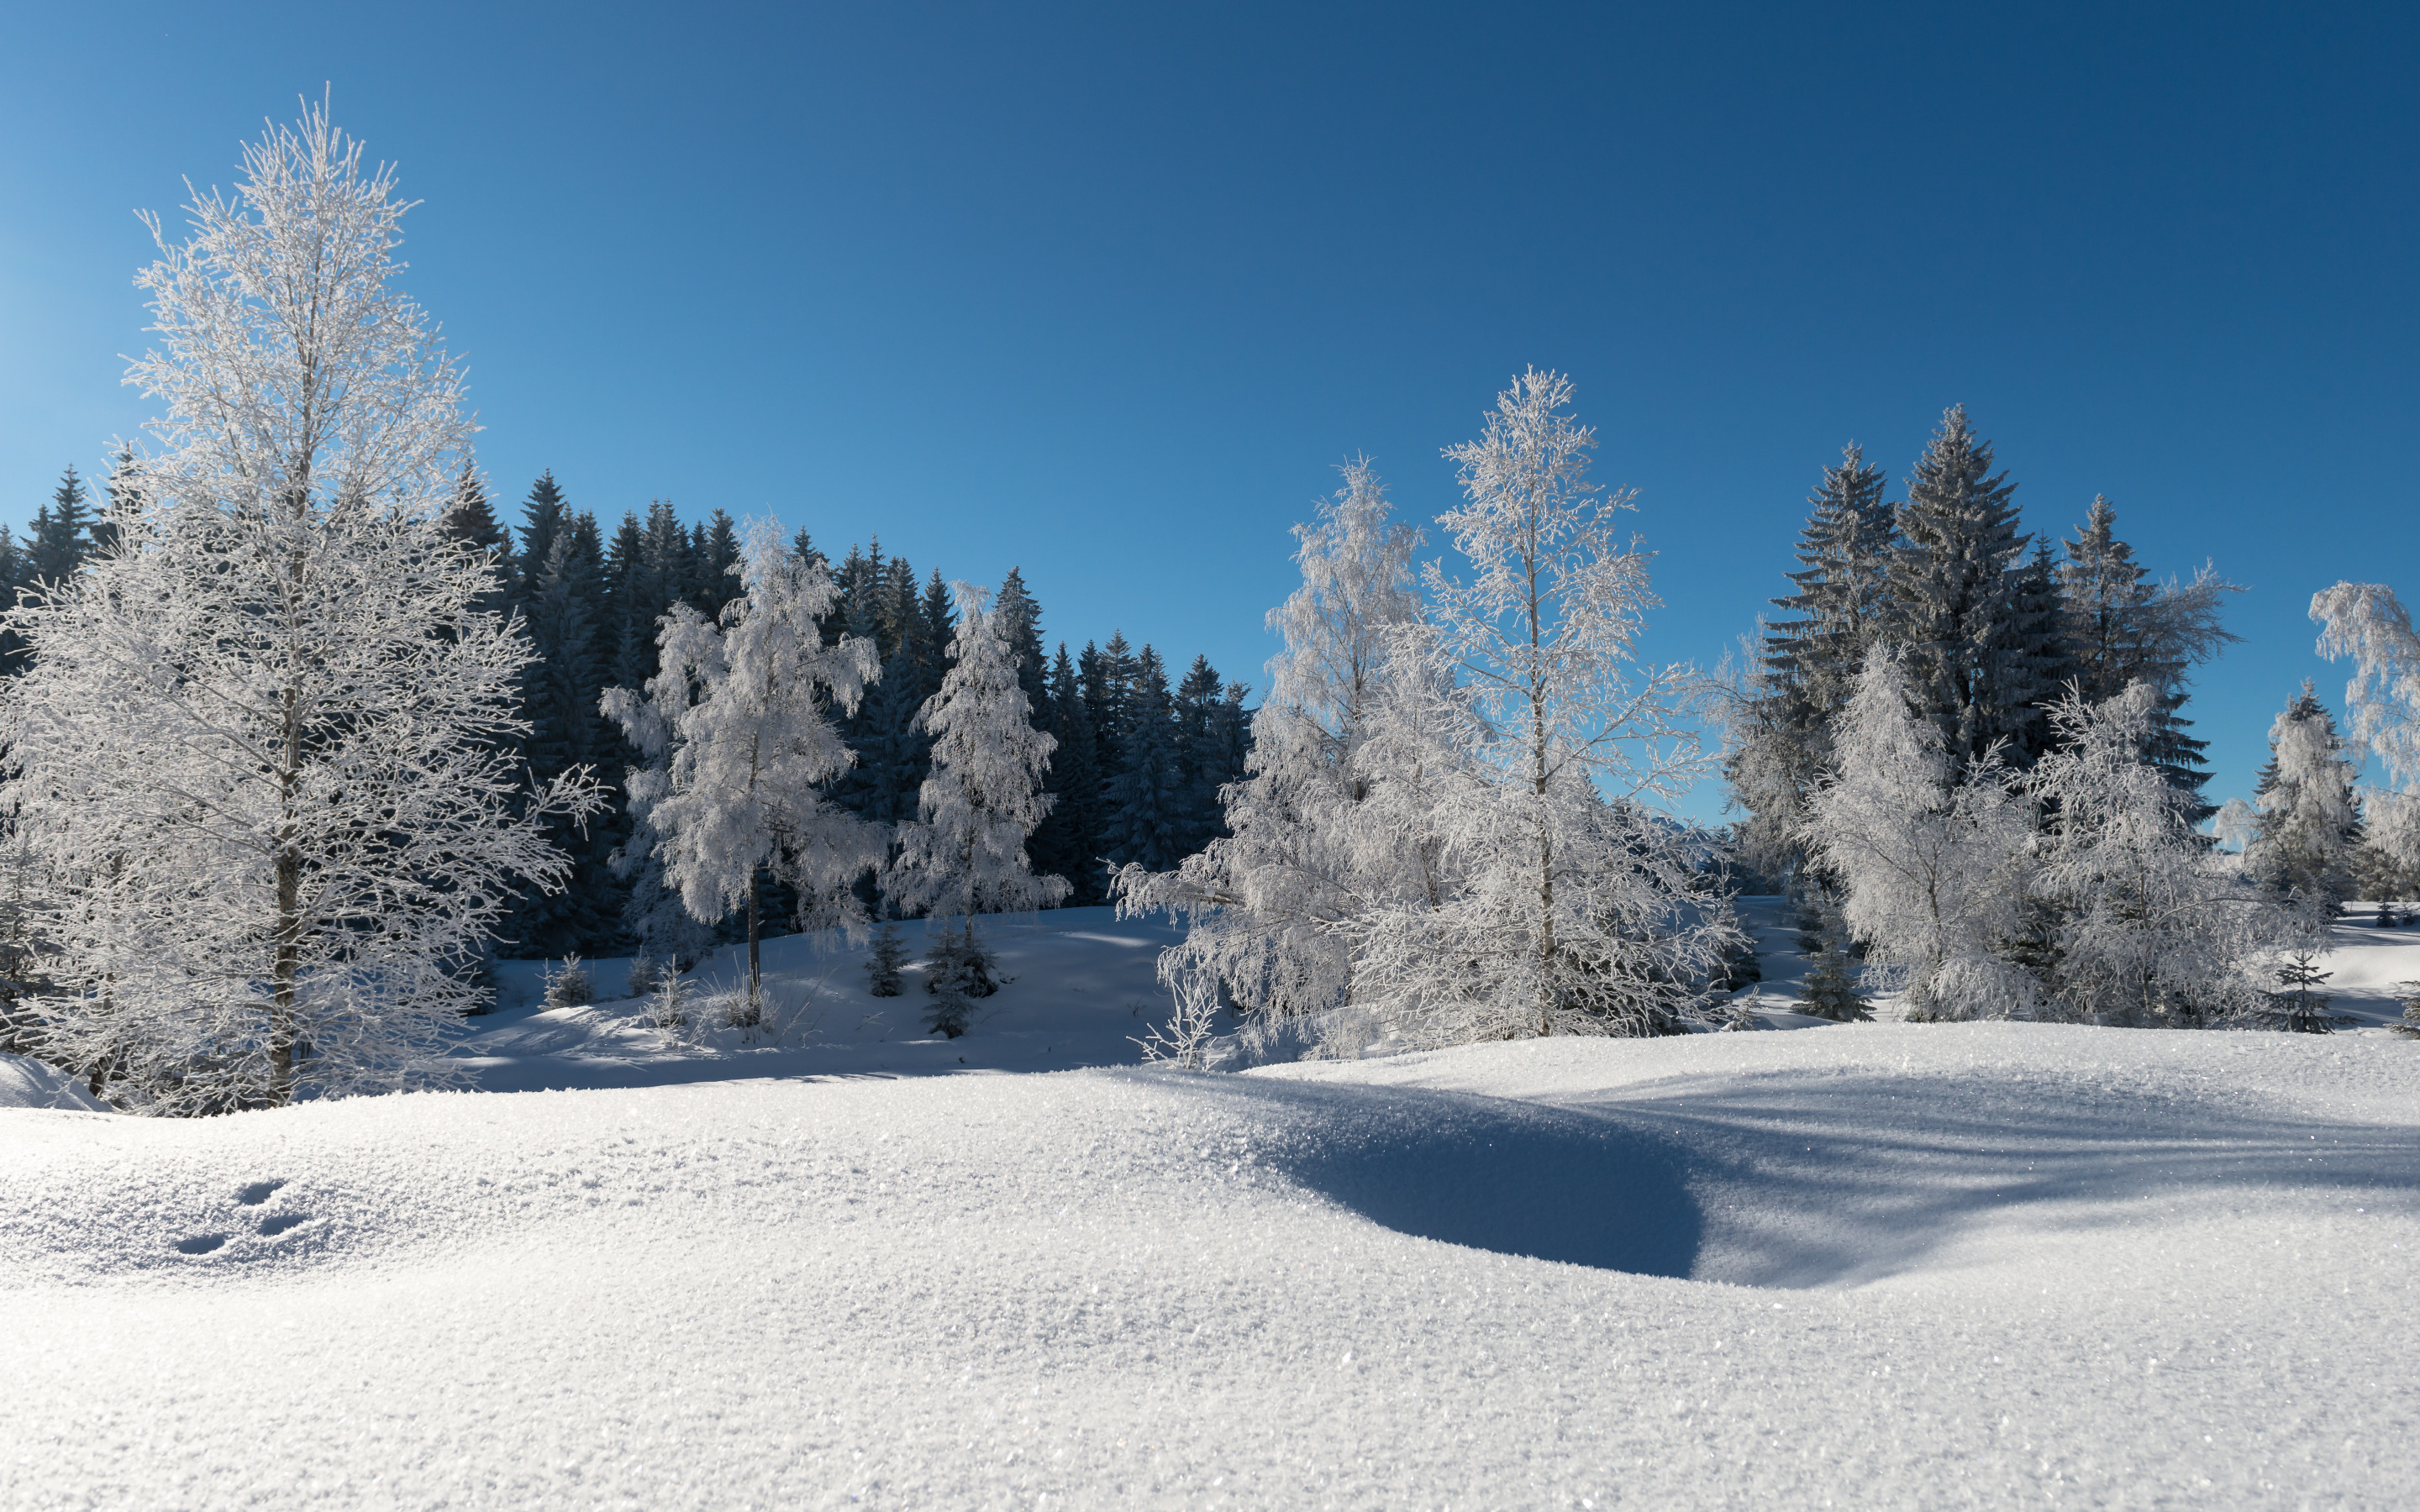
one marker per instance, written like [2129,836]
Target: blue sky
[1105,292]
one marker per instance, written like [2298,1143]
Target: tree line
[1134,777]
[1965,754]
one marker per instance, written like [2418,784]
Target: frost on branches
[740,750]
[2154,927]
[258,758]
[1447,833]
[2366,622]
[1932,869]
[1583,910]
[964,853]
[2113,910]
[1333,819]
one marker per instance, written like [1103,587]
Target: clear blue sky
[1105,291]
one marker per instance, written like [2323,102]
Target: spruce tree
[567,734]
[2309,831]
[1954,589]
[2123,628]
[1201,755]
[1781,732]
[542,515]
[470,520]
[1020,620]
[59,544]
[717,553]
[936,620]
[1068,843]
[2041,631]
[1146,827]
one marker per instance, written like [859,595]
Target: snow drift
[1923,1265]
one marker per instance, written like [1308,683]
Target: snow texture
[1876,1265]
[29,1084]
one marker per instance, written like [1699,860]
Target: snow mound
[1884,1266]
[29,1084]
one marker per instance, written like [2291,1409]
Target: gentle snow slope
[1999,1264]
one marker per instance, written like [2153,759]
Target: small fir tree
[882,962]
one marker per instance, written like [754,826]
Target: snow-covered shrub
[883,961]
[571,986]
[1184,1040]
[1831,991]
[2407,994]
[958,971]
[669,1010]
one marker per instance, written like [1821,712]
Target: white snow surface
[1878,1265]
[29,1084]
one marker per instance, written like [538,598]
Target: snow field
[1080,987]
[1995,1264]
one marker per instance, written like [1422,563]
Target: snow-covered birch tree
[740,752]
[963,853]
[258,754]
[1583,904]
[1932,863]
[2368,623]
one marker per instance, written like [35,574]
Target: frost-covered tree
[1583,908]
[964,853]
[259,753]
[1330,821]
[740,751]
[2366,622]
[2153,925]
[2308,828]
[1929,860]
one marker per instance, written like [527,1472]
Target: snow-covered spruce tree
[2308,829]
[1579,909]
[1779,723]
[1331,820]
[964,853]
[1953,592]
[2123,628]
[1932,863]
[2153,926]
[740,751]
[260,753]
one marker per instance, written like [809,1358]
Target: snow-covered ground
[1880,1265]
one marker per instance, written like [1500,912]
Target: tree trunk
[755,972]
[288,966]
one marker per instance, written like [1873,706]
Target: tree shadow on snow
[1826,1180]
[1487,1173]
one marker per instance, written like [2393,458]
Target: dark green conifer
[1953,585]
